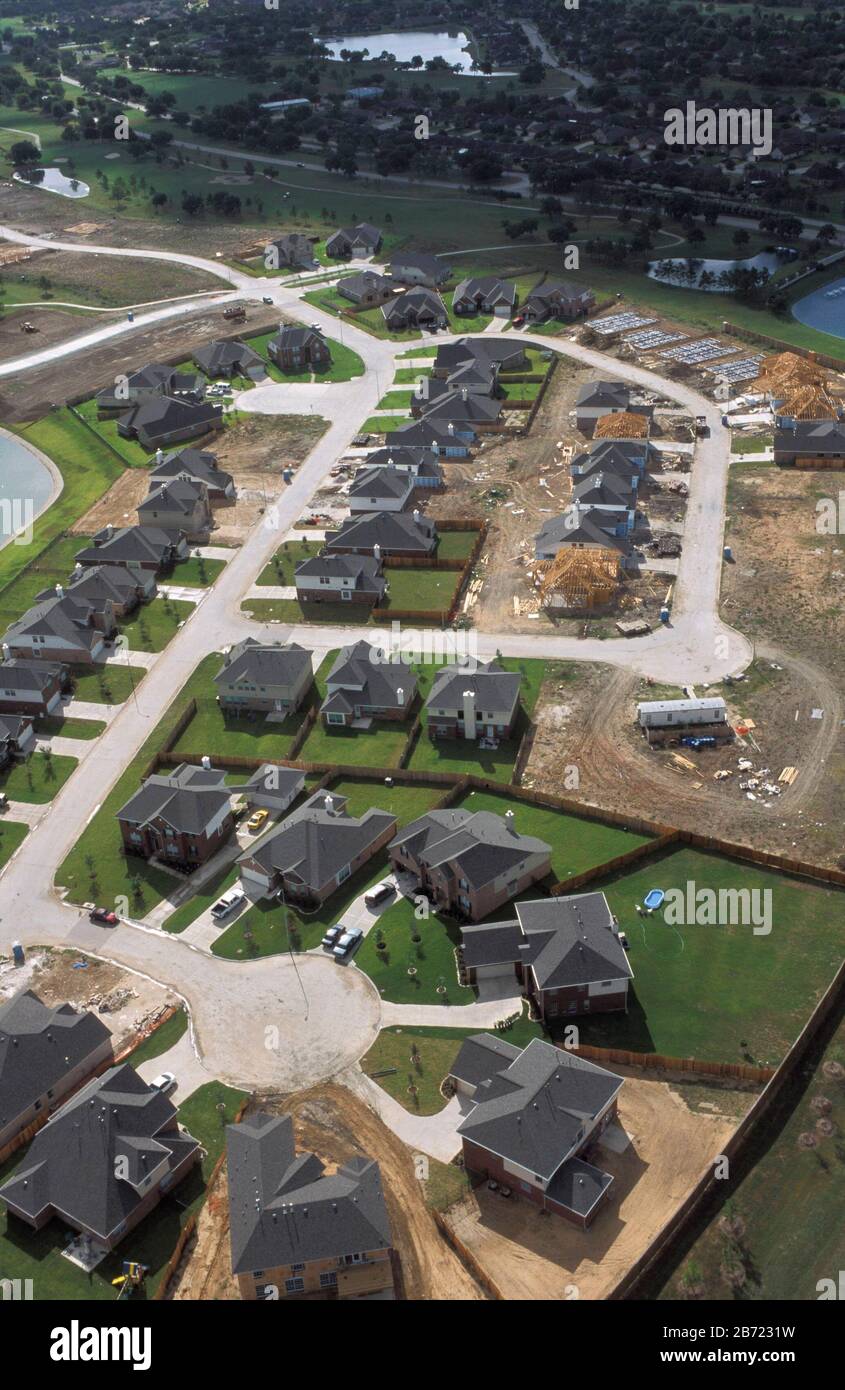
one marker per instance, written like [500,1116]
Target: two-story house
[182,819]
[267,677]
[475,702]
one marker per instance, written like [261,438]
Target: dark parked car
[102,914]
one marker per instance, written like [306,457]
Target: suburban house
[45,1053]
[151,381]
[103,1162]
[485,294]
[166,420]
[178,504]
[582,529]
[382,534]
[62,628]
[266,677]
[418,268]
[624,424]
[199,465]
[416,308]
[431,434]
[535,1112]
[354,242]
[381,490]
[17,738]
[558,300]
[181,818]
[810,443]
[230,358]
[100,585]
[598,398]
[501,353]
[314,850]
[421,463]
[362,686]
[293,348]
[625,458]
[480,703]
[272,788]
[291,252]
[28,687]
[340,578]
[296,1229]
[468,412]
[469,863]
[565,953]
[366,289]
[137,548]
[477,378]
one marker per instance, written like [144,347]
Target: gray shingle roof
[312,844]
[476,845]
[163,415]
[603,393]
[265,663]
[221,357]
[64,617]
[23,676]
[534,1111]
[571,941]
[493,688]
[198,463]
[813,436]
[500,351]
[481,1056]
[188,799]
[285,1209]
[71,1163]
[389,530]
[360,669]
[39,1045]
[489,287]
[376,483]
[364,569]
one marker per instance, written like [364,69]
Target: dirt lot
[55,979]
[86,372]
[530,1256]
[334,1124]
[587,720]
[521,483]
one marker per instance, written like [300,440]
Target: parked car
[266,299]
[228,903]
[331,937]
[316,327]
[347,943]
[257,819]
[102,915]
[519,321]
[164,1082]
[379,894]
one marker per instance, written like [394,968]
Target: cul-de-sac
[422,616]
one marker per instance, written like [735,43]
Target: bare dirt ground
[334,1124]
[531,1256]
[55,977]
[521,483]
[83,373]
[117,506]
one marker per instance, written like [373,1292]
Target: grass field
[778,1257]
[161,1040]
[36,1255]
[431,958]
[378,746]
[134,455]
[150,627]
[721,993]
[344,366]
[196,572]
[189,911]
[422,1058]
[52,725]
[281,569]
[213,732]
[107,685]
[12,835]
[52,566]
[38,779]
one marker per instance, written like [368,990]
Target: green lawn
[107,685]
[151,626]
[189,911]
[196,572]
[378,746]
[53,725]
[433,1051]
[384,424]
[783,1258]
[750,444]
[12,835]
[280,572]
[721,993]
[344,366]
[36,1255]
[396,400]
[52,566]
[214,732]
[456,545]
[268,928]
[88,469]
[404,802]
[432,958]
[38,779]
[577,843]
[409,376]
[161,1040]
[105,428]
[423,590]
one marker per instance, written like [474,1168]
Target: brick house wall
[53,1098]
[331,1277]
[151,841]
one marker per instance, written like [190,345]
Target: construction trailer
[670,721]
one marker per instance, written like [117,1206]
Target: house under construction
[578,581]
[625,424]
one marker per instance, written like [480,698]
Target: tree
[24,152]
[191,204]
[740,237]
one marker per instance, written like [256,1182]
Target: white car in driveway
[347,943]
[164,1082]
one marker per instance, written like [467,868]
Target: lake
[54,181]
[824,309]
[412,43]
[766,260]
[26,486]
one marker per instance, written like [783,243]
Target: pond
[766,260]
[823,309]
[26,487]
[410,44]
[54,181]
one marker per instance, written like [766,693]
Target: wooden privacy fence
[615,865]
[668,1241]
[468,1260]
[657,1061]
[837,364]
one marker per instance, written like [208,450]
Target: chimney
[329,804]
[417,516]
[78,570]
[60,593]
[376,551]
[206,761]
[400,696]
[450,428]
[464,393]
[509,821]
[6,651]
[435,449]
[469,714]
[159,457]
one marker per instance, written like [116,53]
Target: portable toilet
[664,614]
[18,954]
[728,553]
[287,474]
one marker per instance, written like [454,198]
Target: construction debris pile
[113,1001]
